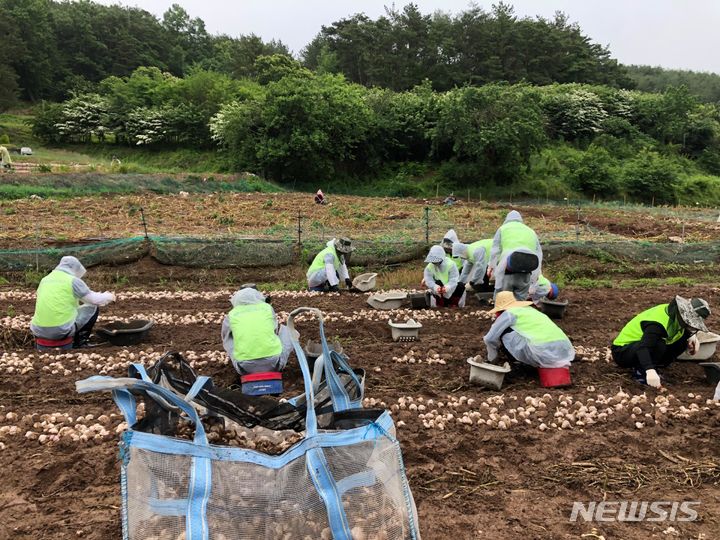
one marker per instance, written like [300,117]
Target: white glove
[652,378]
[693,345]
[469,287]
[112,296]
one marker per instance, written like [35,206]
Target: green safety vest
[535,326]
[457,261]
[438,274]
[633,332]
[56,304]
[514,235]
[253,331]
[319,261]
[472,248]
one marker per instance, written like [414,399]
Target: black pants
[627,357]
[82,335]
[454,300]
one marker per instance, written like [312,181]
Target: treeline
[293,125]
[706,86]
[401,49]
[49,50]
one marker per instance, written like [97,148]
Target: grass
[89,184]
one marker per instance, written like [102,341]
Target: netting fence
[402,240]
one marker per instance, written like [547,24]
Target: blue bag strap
[310,417]
[198,385]
[139,369]
[327,488]
[339,395]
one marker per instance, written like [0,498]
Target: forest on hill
[402,104]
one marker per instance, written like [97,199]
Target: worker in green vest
[252,336]
[526,335]
[515,257]
[330,266]
[449,239]
[475,259]
[65,306]
[543,289]
[440,277]
[657,336]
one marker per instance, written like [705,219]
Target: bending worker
[58,310]
[526,335]
[475,259]
[251,335]
[441,278]
[657,336]
[516,257]
[543,289]
[330,266]
[451,238]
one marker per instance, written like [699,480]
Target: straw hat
[506,300]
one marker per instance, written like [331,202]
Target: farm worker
[441,278]
[448,240]
[475,259]
[320,197]
[5,161]
[544,288]
[330,266]
[657,336]
[515,257]
[65,305]
[527,335]
[251,335]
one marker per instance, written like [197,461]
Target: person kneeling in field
[441,278]
[251,335]
[475,259]
[526,335]
[59,313]
[657,336]
[543,289]
[330,266]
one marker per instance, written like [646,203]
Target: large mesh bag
[344,482]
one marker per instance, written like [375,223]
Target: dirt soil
[469,481]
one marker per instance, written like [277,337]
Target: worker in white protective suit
[543,289]
[441,279]
[449,239]
[5,161]
[515,257]
[330,266]
[475,257]
[65,306]
[526,335]
[252,336]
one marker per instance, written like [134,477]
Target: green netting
[222,252]
[253,252]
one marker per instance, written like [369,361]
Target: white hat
[436,255]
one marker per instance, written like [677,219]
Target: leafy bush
[595,173]
[651,176]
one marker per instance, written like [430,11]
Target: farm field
[275,215]
[473,480]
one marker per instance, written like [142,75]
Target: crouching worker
[330,266]
[251,335]
[526,335]
[66,309]
[475,259]
[441,279]
[657,336]
[543,289]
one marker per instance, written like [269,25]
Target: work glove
[348,282]
[693,345]
[334,288]
[112,296]
[469,287]
[442,290]
[652,378]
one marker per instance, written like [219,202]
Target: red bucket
[554,377]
